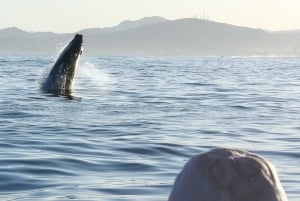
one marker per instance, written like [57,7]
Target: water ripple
[138,120]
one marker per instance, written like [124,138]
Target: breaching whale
[60,78]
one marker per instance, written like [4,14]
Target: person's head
[227,175]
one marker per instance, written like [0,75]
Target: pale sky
[73,15]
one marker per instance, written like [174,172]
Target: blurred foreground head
[227,175]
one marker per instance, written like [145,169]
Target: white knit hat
[227,175]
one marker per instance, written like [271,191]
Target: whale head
[72,51]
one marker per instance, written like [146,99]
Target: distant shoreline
[156,36]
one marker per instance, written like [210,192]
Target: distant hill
[158,36]
[125,25]
[17,41]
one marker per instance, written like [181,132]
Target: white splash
[91,79]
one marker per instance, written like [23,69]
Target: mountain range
[156,36]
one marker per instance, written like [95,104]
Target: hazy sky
[73,15]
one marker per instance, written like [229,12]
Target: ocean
[135,121]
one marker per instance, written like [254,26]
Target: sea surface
[135,121]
